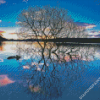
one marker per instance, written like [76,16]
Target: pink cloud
[2,2]
[4,80]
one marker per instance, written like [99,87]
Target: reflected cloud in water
[50,69]
[54,67]
[1,60]
[4,80]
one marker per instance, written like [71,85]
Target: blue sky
[81,10]
[87,11]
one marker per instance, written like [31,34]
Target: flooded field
[30,71]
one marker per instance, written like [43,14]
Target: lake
[49,71]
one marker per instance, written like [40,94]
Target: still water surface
[53,72]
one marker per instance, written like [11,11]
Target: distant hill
[60,40]
[2,39]
[75,40]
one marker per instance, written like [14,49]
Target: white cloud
[25,1]
[18,22]
[2,1]
[0,21]
[94,33]
[90,26]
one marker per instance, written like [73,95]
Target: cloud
[18,22]
[4,80]
[86,25]
[8,32]
[25,1]
[90,26]
[2,2]
[12,33]
[94,34]
[1,32]
[97,36]
[0,21]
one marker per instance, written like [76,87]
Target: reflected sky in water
[55,72]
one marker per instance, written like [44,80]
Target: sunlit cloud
[0,21]
[2,2]
[9,33]
[12,33]
[1,32]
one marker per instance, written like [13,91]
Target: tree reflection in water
[51,68]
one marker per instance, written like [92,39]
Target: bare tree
[46,23]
